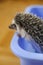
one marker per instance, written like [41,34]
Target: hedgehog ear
[13,21]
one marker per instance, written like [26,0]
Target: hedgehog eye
[14,26]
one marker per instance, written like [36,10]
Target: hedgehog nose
[12,26]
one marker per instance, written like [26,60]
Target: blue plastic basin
[23,48]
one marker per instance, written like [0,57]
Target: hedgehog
[29,26]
